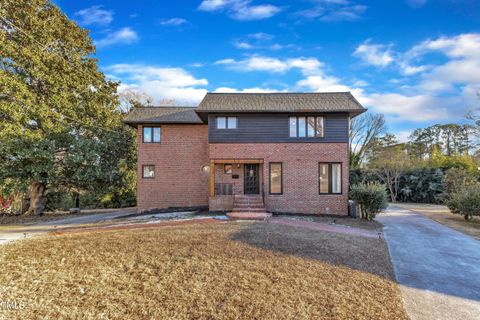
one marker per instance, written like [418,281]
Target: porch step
[246,204]
[249,209]
[249,203]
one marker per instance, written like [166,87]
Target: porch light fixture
[206,168]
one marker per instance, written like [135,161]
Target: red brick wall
[300,173]
[178,159]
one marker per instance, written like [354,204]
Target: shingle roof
[162,115]
[281,102]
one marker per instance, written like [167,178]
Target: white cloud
[246,90]
[122,36]
[197,64]
[161,83]
[333,11]
[213,5]
[411,108]
[94,15]
[378,55]
[261,63]
[243,45]
[461,69]
[173,22]
[260,41]
[261,36]
[240,9]
[416,3]
[348,13]
[461,46]
[360,83]
[322,83]
[402,135]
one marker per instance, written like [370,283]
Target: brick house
[274,152]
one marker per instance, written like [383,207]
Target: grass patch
[202,271]
[443,215]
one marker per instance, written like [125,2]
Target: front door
[251,181]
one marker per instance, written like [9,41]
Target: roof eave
[282,111]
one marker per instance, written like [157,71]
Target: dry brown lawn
[229,270]
[340,220]
[443,215]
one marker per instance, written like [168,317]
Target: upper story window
[151,134]
[226,122]
[309,127]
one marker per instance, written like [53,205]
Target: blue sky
[416,61]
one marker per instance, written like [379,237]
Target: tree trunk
[37,198]
[76,200]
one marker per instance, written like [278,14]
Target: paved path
[326,227]
[10,233]
[438,268]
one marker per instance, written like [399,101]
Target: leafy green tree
[466,202]
[59,113]
[421,184]
[439,160]
[449,139]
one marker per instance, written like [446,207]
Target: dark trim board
[270,128]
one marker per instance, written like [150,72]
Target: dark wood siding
[274,127]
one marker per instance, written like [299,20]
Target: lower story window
[276,178]
[148,171]
[330,178]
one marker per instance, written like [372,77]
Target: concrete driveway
[10,233]
[438,268]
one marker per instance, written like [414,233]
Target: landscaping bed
[226,270]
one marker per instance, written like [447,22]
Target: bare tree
[165,102]
[388,165]
[133,98]
[364,130]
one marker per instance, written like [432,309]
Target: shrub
[466,202]
[457,179]
[371,197]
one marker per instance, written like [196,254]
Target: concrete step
[248,197]
[256,204]
[246,209]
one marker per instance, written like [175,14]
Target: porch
[237,185]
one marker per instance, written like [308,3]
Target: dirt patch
[443,215]
[233,270]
